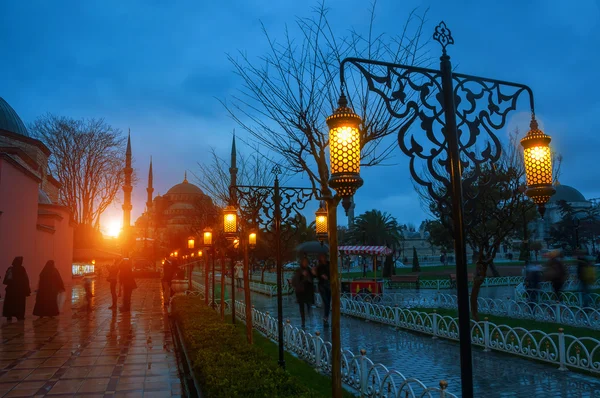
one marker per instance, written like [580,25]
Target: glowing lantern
[321,224]
[252,240]
[191,241]
[538,166]
[230,221]
[207,237]
[344,150]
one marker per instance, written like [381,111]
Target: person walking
[17,290]
[128,282]
[533,276]
[239,274]
[113,273]
[586,276]
[51,285]
[168,272]
[556,272]
[302,281]
[322,274]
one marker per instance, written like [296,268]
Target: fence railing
[553,312]
[360,373]
[558,348]
[262,288]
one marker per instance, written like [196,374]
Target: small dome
[10,121]
[43,198]
[185,188]
[568,194]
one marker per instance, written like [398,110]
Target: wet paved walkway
[429,360]
[95,353]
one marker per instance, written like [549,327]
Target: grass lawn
[295,366]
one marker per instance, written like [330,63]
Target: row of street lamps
[458,120]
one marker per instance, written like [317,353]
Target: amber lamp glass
[191,241]
[175,254]
[252,240]
[199,253]
[538,166]
[344,149]
[207,237]
[93,262]
[230,221]
[321,223]
[193,254]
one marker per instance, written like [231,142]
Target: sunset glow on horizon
[113,228]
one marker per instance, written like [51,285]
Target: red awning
[372,250]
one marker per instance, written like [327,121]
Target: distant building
[32,223]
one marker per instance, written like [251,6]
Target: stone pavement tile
[42,374]
[66,386]
[29,363]
[85,361]
[54,362]
[42,354]
[78,372]
[101,371]
[94,385]
[159,386]
[13,354]
[17,392]
[15,375]
[107,360]
[30,385]
[129,394]
[6,387]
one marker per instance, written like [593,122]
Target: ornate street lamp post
[446,109]
[268,207]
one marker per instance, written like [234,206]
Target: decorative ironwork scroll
[415,95]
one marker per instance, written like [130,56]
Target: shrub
[224,364]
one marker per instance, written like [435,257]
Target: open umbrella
[312,247]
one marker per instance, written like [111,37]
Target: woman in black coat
[51,284]
[302,281]
[17,290]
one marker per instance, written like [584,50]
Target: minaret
[233,171]
[127,188]
[150,189]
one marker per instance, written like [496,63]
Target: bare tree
[88,157]
[214,177]
[289,91]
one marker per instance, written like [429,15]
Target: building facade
[32,223]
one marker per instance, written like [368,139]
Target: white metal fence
[360,373]
[558,348]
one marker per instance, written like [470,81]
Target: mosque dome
[10,121]
[567,193]
[185,188]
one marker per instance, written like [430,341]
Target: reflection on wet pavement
[95,353]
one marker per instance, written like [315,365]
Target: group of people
[557,273]
[49,297]
[303,284]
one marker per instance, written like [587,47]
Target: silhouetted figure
[17,289]
[533,277]
[322,274]
[168,273]
[113,273]
[128,283]
[302,281]
[586,276]
[556,271]
[51,285]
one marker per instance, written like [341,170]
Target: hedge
[223,363]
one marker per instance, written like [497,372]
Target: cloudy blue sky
[158,67]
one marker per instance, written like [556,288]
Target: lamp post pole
[263,205]
[449,141]
[212,256]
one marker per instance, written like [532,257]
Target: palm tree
[376,228]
